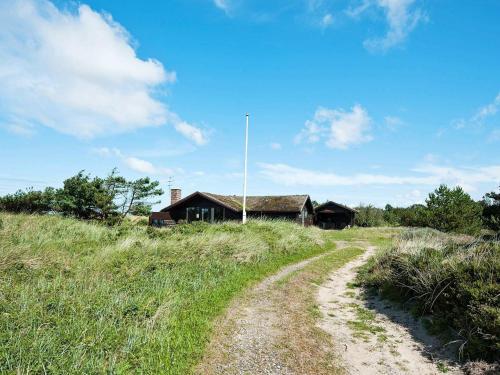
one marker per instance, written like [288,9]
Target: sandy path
[247,340]
[370,336]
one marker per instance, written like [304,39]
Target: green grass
[365,323]
[452,280]
[78,297]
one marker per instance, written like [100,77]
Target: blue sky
[358,101]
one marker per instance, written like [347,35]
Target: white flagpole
[245,175]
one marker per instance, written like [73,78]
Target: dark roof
[274,203]
[277,203]
[330,203]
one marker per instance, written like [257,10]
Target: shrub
[455,280]
[491,211]
[369,216]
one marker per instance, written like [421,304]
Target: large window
[209,215]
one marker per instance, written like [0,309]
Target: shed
[331,215]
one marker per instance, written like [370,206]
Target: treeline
[445,209]
[85,197]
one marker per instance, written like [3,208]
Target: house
[209,207]
[331,215]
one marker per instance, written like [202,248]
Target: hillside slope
[78,297]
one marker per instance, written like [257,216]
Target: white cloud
[393,122]
[340,128]
[76,72]
[488,110]
[21,130]
[326,21]
[139,165]
[275,146]
[191,132]
[134,163]
[401,17]
[480,117]
[427,175]
[222,4]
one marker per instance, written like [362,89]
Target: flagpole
[245,175]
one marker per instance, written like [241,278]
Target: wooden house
[209,207]
[331,215]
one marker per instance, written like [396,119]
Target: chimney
[175,195]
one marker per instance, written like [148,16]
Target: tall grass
[454,280]
[78,297]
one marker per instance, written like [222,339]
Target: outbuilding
[331,215]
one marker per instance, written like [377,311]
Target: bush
[491,211]
[453,279]
[369,216]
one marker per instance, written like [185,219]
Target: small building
[160,219]
[331,215]
[209,207]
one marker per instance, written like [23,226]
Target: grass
[307,349]
[365,324]
[452,280]
[78,297]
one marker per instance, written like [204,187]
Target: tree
[134,197]
[29,201]
[491,210]
[85,197]
[369,216]
[453,210]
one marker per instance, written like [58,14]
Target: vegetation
[453,210]
[369,216]
[491,211]
[448,210]
[453,280]
[86,197]
[79,297]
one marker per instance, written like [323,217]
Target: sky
[356,101]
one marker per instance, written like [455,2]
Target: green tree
[453,210]
[369,216]
[85,197]
[135,197]
[29,201]
[491,210]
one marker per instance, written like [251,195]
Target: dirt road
[371,336]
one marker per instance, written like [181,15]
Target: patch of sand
[373,337]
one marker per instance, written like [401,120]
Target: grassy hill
[77,297]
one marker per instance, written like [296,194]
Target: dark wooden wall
[179,212]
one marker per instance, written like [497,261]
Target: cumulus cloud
[76,72]
[338,127]
[401,16]
[428,175]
